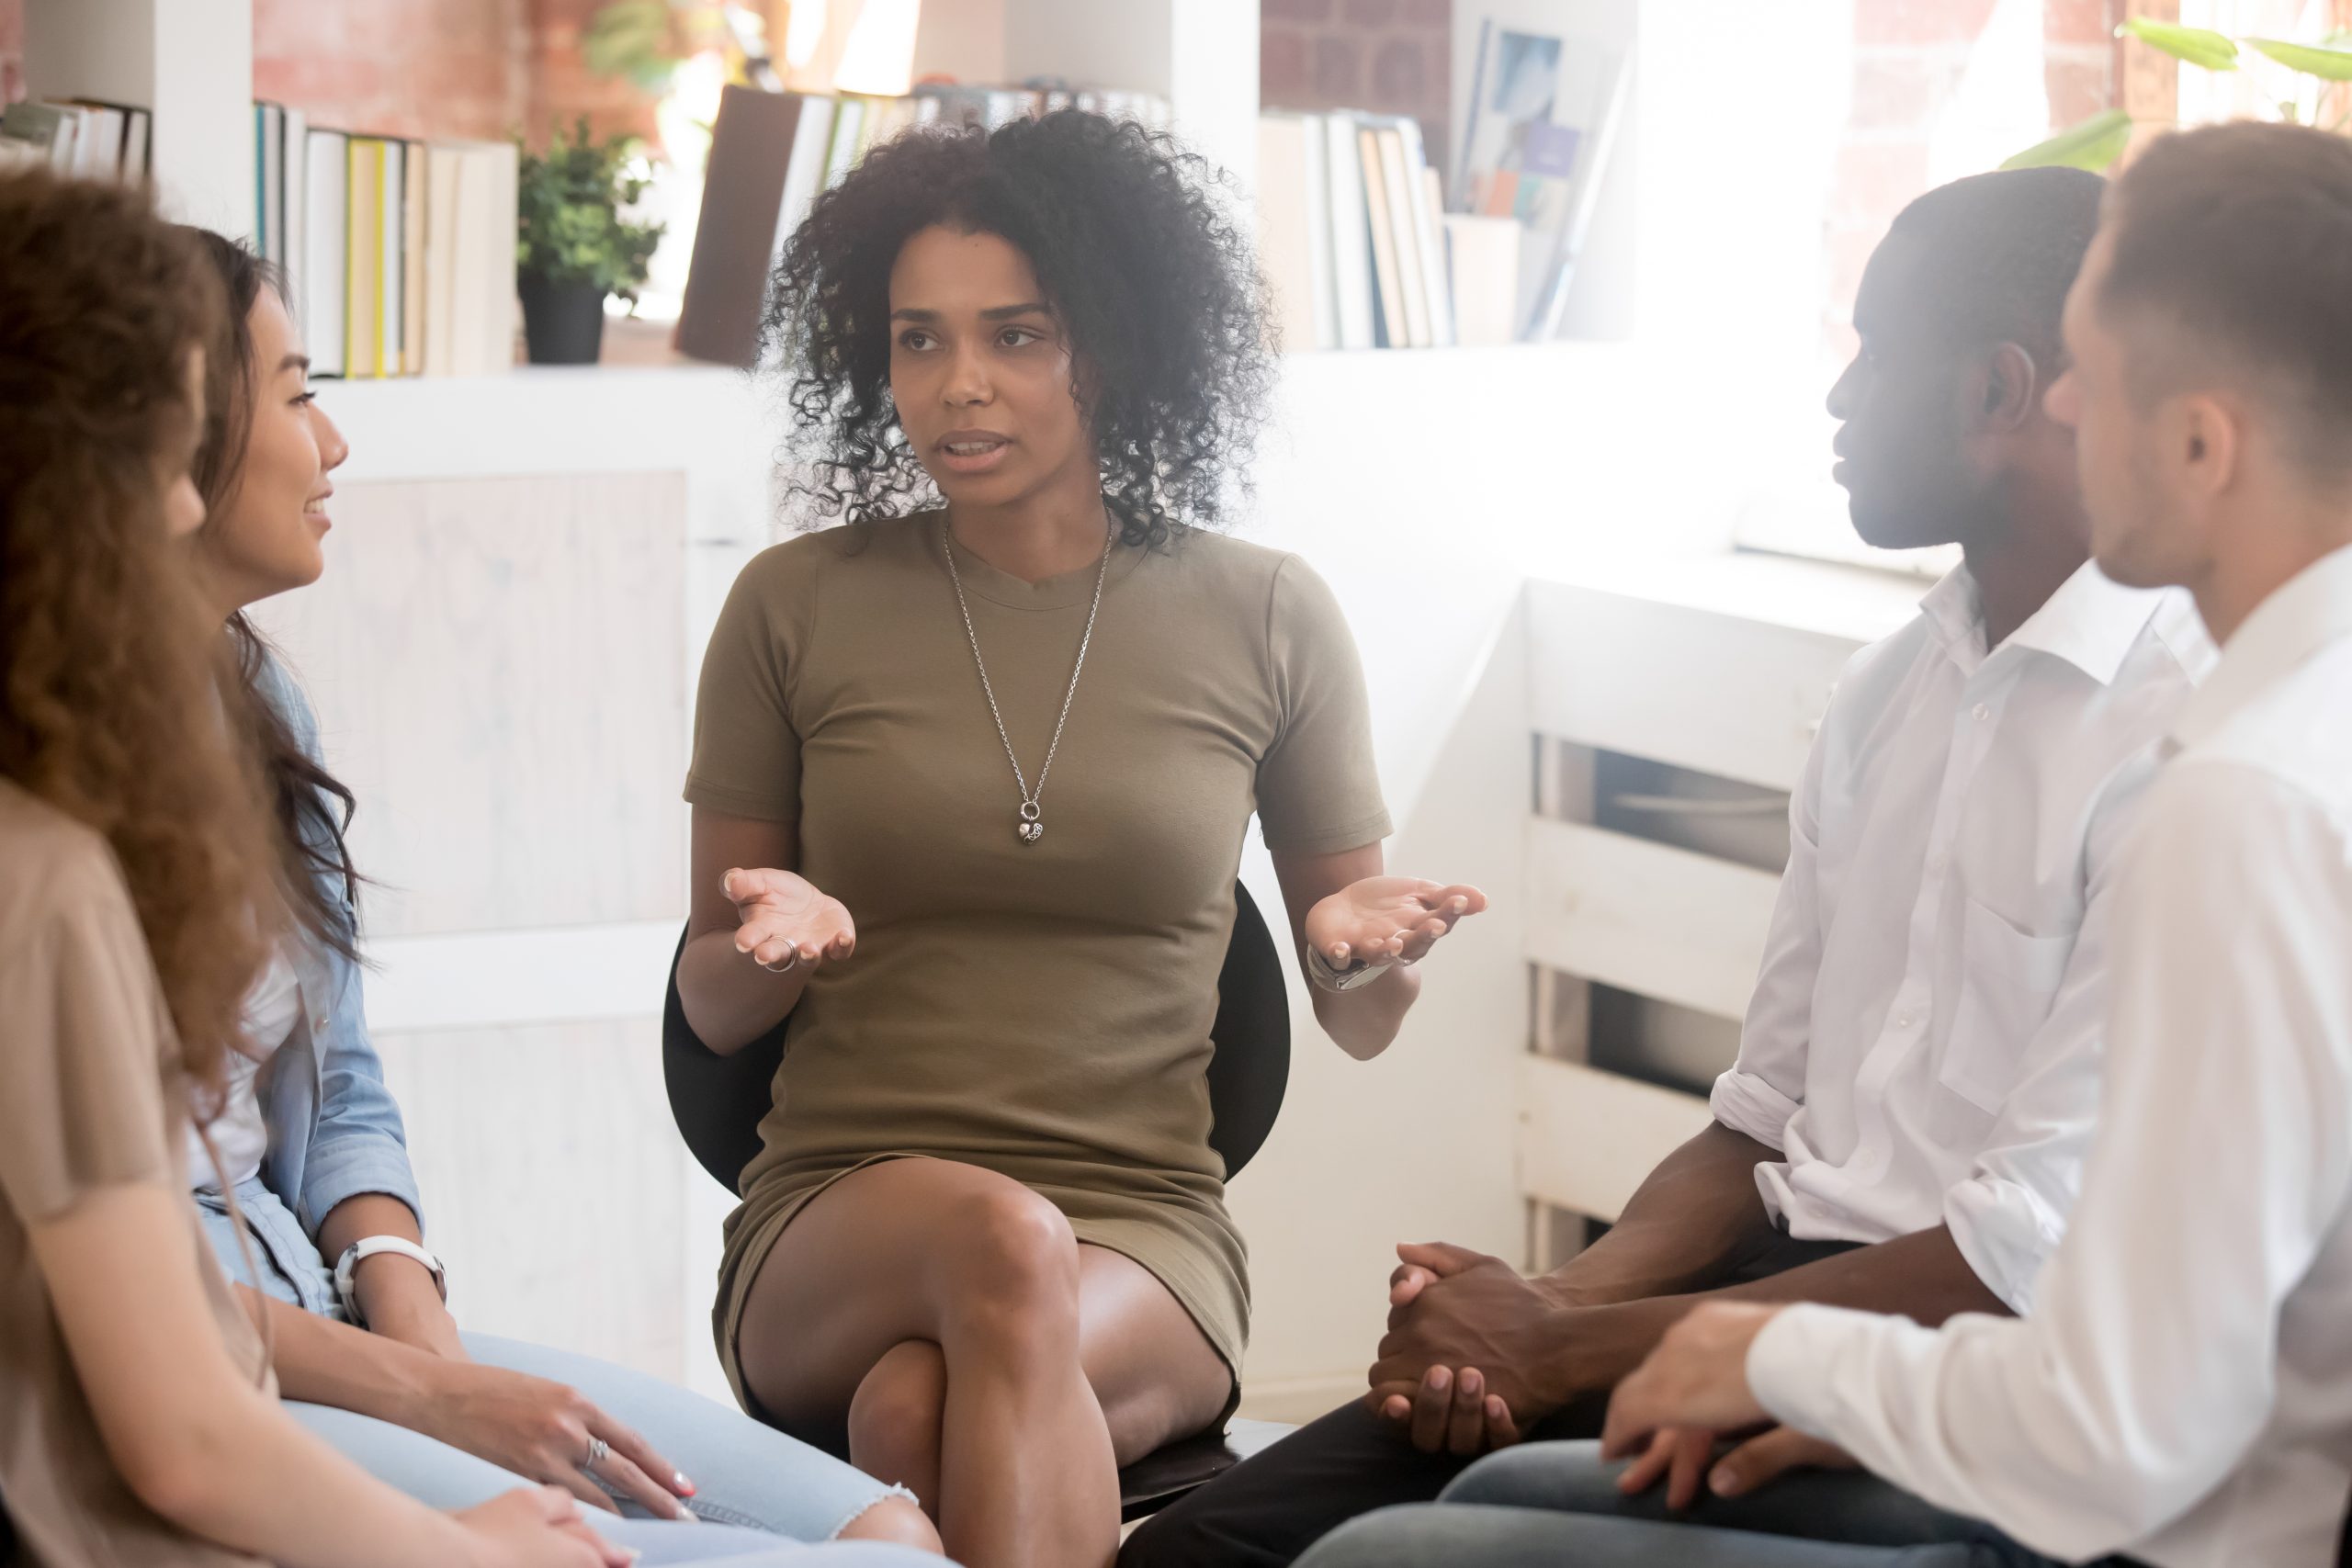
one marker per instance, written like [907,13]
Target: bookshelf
[191,61]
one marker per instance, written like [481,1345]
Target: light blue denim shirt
[334,1129]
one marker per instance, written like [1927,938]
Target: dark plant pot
[563,324]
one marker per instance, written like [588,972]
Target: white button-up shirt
[2183,1389]
[1923,1044]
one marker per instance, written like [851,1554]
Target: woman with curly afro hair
[970,784]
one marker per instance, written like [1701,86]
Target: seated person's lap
[1850,1506]
[915,1250]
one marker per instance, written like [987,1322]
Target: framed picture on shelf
[1541,89]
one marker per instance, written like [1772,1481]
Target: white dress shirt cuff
[2005,1232]
[1746,1104]
[1791,1364]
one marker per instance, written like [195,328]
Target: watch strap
[346,1268]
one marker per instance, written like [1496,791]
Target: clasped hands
[1476,1354]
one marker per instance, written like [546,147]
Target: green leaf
[570,228]
[2198,46]
[2329,62]
[631,39]
[2094,144]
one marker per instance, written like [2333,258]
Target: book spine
[1390,293]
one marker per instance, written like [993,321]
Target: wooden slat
[1721,694]
[1646,917]
[1587,1138]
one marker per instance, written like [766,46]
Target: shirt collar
[2312,610]
[2090,622]
[1955,613]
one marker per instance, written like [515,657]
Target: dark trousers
[1263,1513]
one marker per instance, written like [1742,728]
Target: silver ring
[785,967]
[597,1450]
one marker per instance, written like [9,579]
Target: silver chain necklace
[1030,827]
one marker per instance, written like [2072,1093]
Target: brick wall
[462,68]
[12,50]
[401,67]
[1389,56]
[478,68]
[1908,57]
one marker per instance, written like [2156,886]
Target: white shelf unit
[1728,699]
[188,61]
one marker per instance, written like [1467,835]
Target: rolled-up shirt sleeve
[360,1145]
[2149,1365]
[1765,1086]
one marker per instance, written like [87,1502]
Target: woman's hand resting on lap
[1387,919]
[540,1429]
[536,1527]
[784,920]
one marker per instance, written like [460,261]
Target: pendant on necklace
[1030,828]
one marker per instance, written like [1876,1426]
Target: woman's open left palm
[1388,919]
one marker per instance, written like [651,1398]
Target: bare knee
[895,1420]
[897,1522]
[1010,1263]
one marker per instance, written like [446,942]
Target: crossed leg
[944,1322]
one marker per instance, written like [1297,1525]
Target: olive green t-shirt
[1041,1008]
[84,1039]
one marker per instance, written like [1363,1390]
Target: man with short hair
[1905,1126]
[2181,1391]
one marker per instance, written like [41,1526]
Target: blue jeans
[746,1475]
[1557,1505]
[659,1542]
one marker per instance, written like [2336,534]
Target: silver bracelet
[1320,972]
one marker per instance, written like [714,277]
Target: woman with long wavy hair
[135,1394]
[138,900]
[312,1140]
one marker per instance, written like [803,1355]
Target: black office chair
[718,1103]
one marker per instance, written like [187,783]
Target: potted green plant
[572,249]
[2097,142]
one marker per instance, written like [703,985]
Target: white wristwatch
[367,1247]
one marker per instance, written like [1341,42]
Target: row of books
[1349,233]
[1538,131]
[400,253]
[771,153]
[80,136]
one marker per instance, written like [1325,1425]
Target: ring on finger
[597,1451]
[791,961]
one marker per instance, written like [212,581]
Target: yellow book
[385,234]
